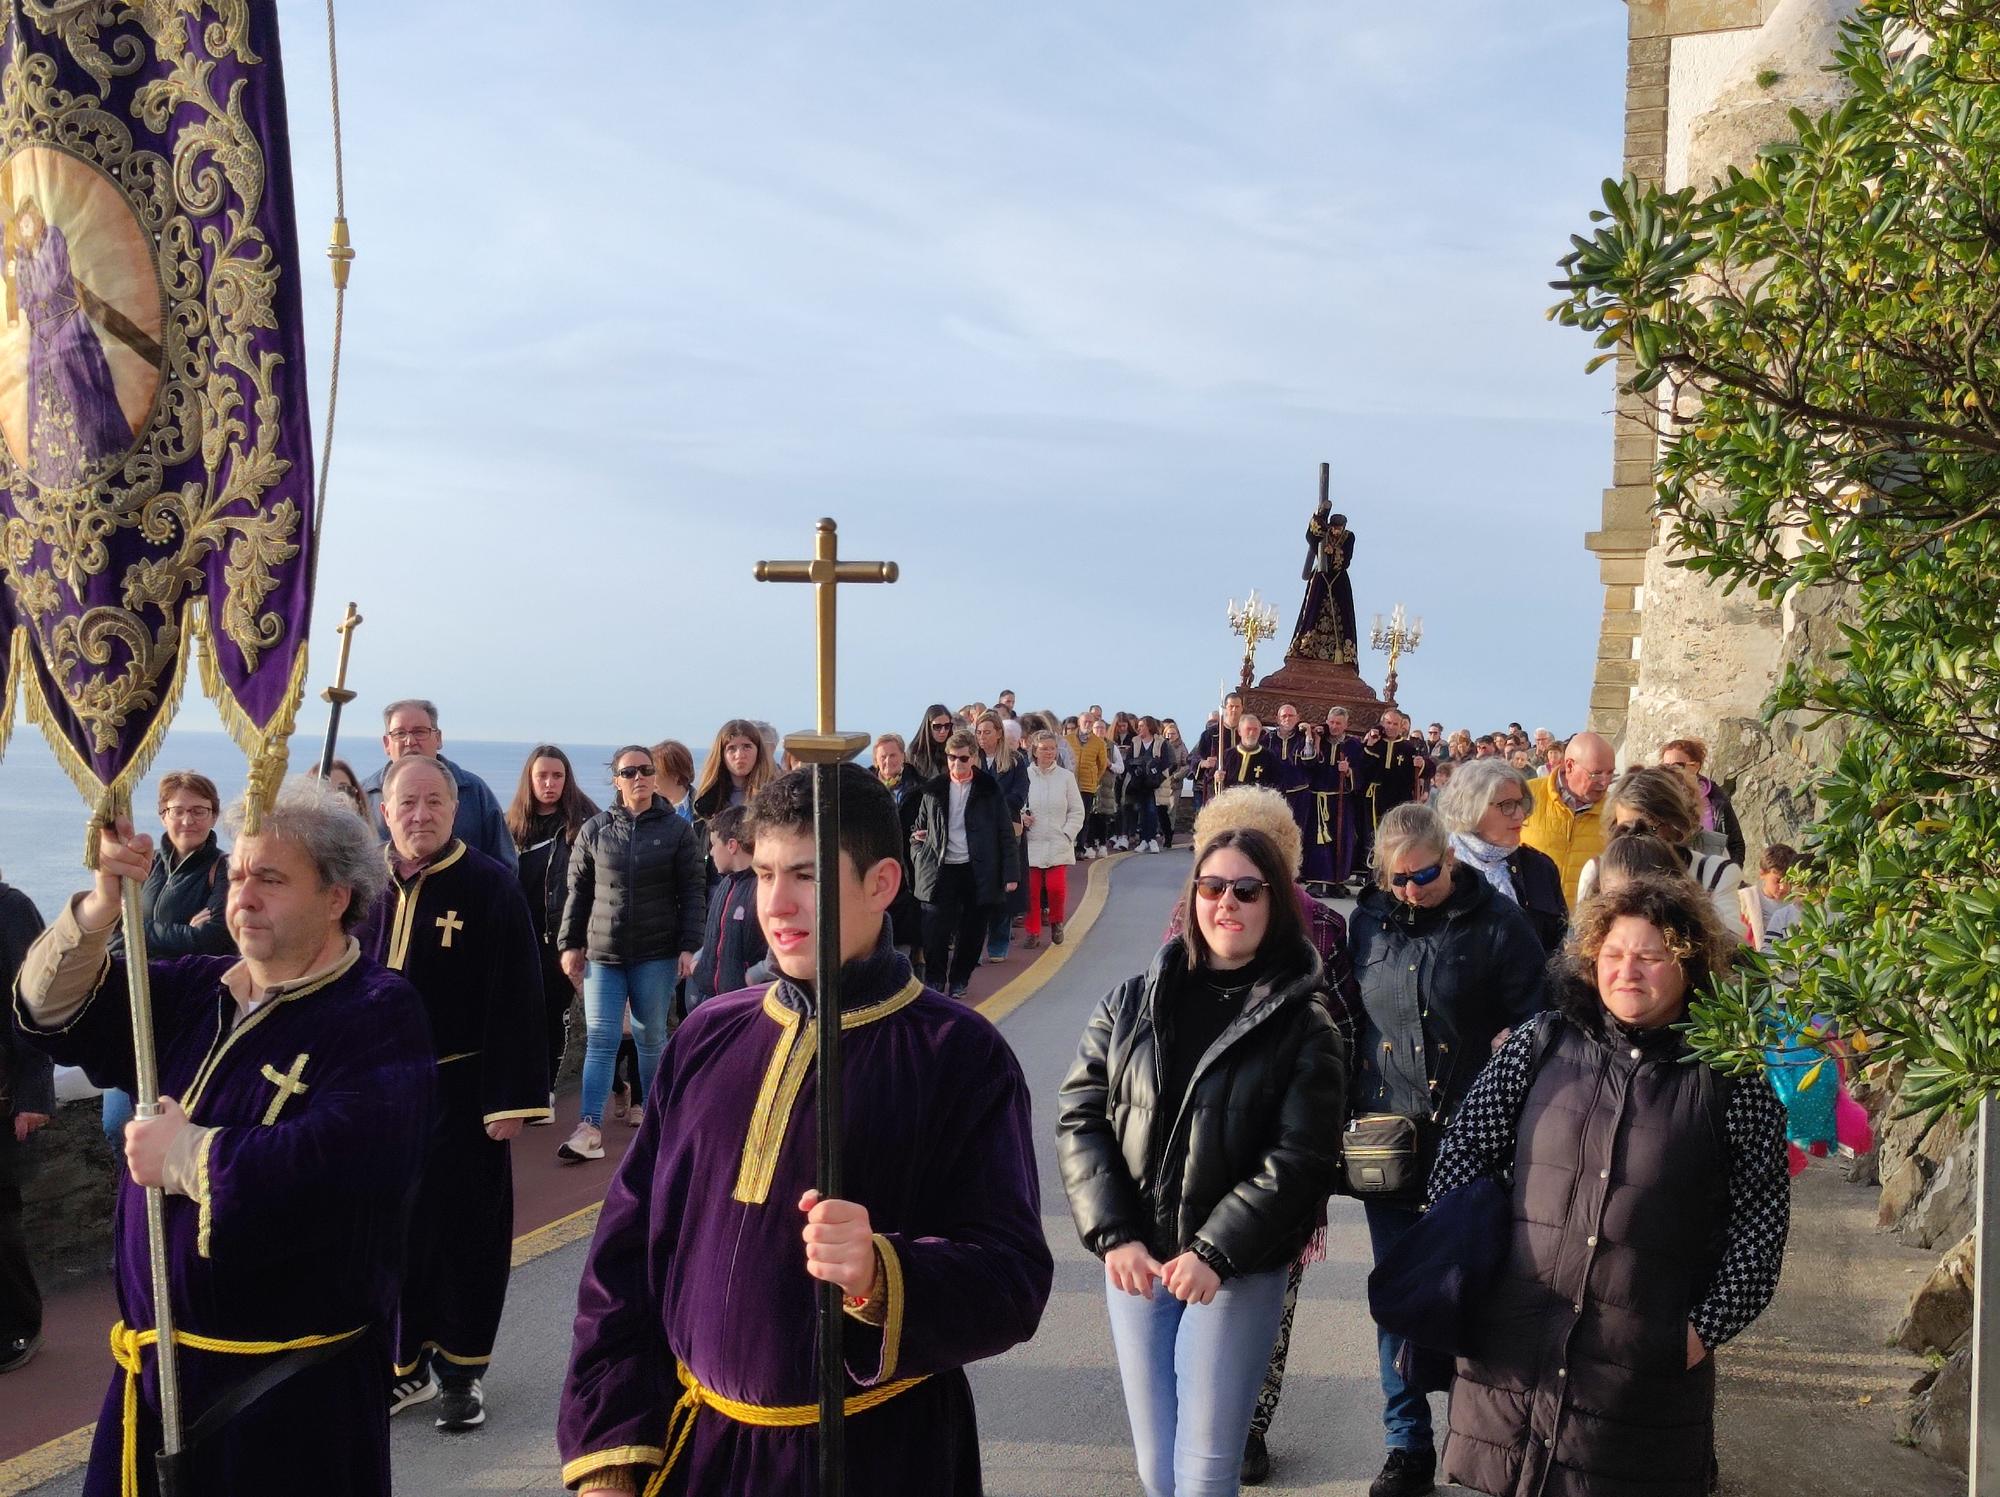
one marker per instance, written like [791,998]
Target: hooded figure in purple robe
[295,1084]
[695,1333]
[75,423]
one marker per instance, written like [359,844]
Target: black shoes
[1256,1461]
[1407,1473]
[19,1352]
[462,1405]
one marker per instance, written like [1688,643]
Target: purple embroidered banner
[155,441]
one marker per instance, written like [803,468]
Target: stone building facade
[1708,82]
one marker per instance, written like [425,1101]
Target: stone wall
[71,1178]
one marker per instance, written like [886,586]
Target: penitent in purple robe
[460,931]
[698,1260]
[318,1100]
[1331,801]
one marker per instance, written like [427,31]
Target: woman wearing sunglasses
[1198,1135]
[1485,804]
[1447,967]
[926,748]
[630,929]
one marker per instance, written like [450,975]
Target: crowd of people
[1501,1004]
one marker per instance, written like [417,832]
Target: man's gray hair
[397,768]
[1472,788]
[1409,828]
[322,823]
[419,704]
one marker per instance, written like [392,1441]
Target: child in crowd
[1769,909]
[732,939]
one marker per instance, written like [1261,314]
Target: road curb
[1032,981]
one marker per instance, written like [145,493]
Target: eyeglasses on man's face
[409,735]
[959,758]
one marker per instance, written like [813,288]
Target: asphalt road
[1052,1419]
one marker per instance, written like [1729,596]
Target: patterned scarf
[1491,861]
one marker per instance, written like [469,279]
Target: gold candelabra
[1399,637]
[1255,621]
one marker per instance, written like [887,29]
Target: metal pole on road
[1983,1466]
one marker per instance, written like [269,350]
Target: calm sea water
[42,817]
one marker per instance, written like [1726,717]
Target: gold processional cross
[826,744]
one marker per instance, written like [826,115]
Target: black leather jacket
[637,892]
[1238,1171]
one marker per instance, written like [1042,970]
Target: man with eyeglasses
[410,728]
[1566,822]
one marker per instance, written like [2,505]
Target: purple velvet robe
[937,1147]
[1330,801]
[460,931]
[299,1230]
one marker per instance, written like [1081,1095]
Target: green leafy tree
[1821,334]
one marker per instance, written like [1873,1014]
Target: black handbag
[1429,1287]
[1387,1154]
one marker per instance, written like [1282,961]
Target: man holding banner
[304,1081]
[694,1365]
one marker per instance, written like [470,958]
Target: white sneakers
[586,1143]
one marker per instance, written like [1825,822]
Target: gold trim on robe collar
[406,900]
[784,1077]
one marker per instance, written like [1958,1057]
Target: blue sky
[1058,306]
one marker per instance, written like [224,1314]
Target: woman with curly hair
[1650,1207]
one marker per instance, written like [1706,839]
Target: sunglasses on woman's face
[635,772]
[1419,878]
[1247,890]
[959,758]
[943,725]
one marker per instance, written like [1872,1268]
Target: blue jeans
[1191,1375]
[1406,1411]
[649,988]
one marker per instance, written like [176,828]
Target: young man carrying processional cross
[695,1350]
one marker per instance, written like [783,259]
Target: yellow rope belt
[127,1344]
[695,1398]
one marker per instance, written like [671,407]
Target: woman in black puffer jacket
[1198,1135]
[630,929]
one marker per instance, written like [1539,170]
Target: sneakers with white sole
[586,1143]
[419,1387]
[462,1404]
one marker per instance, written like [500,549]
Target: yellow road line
[1032,981]
[59,1457]
[559,1233]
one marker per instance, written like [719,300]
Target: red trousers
[1056,881]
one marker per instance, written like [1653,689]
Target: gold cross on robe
[450,924]
[288,1085]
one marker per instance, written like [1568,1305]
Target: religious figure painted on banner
[1325,630]
[80,356]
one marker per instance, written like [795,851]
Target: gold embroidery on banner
[288,1085]
[192,384]
[783,1079]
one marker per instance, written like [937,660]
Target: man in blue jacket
[411,727]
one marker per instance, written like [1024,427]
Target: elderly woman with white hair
[1447,968]
[1485,805]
